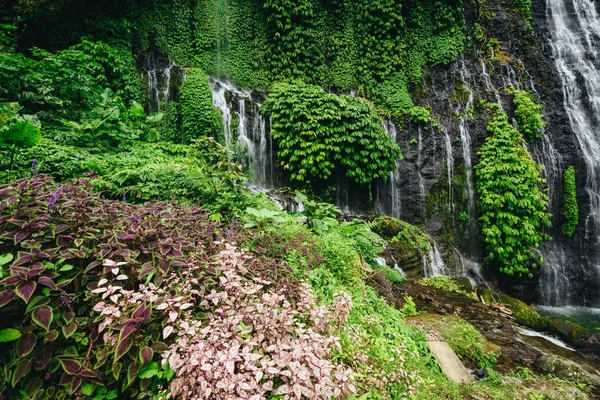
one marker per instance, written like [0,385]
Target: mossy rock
[577,335]
[407,236]
[523,314]
[567,369]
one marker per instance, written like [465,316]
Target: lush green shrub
[199,116]
[528,114]
[570,206]
[513,207]
[319,132]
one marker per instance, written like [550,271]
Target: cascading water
[449,168]
[396,205]
[253,141]
[574,24]
[160,74]
[433,262]
[465,139]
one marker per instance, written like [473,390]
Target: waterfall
[420,163]
[253,145]
[218,94]
[465,139]
[396,205]
[574,24]
[159,75]
[450,168]
[433,262]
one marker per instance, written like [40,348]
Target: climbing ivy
[528,114]
[198,115]
[318,133]
[513,207]
[571,208]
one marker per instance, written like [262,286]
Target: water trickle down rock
[573,25]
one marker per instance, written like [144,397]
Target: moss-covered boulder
[523,314]
[407,244]
[579,336]
[567,369]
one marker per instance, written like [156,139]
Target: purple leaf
[51,336]
[33,272]
[69,330]
[116,369]
[6,297]
[160,347]
[66,379]
[26,344]
[20,236]
[25,290]
[61,228]
[90,374]
[75,384]
[133,369]
[92,265]
[70,365]
[122,348]
[45,281]
[142,312]
[22,258]
[127,331]
[68,316]
[10,280]
[146,355]
[146,270]
[43,316]
[43,360]
[23,368]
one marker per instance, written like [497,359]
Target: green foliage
[318,133]
[409,308]
[445,283]
[17,133]
[391,274]
[467,342]
[199,116]
[513,207]
[525,9]
[419,115]
[570,205]
[528,114]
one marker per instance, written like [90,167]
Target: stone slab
[449,363]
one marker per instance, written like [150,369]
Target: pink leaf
[167,331]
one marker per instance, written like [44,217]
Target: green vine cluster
[528,114]
[318,133]
[571,207]
[513,207]
[199,118]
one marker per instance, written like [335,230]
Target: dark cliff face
[430,198]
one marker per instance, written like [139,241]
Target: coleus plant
[59,237]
